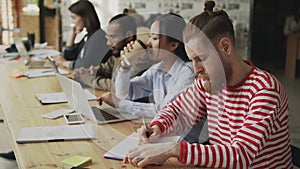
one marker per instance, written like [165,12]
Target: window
[7,21]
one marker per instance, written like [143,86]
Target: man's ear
[174,46]
[129,36]
[225,45]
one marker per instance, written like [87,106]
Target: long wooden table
[21,109]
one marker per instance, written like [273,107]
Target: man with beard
[120,31]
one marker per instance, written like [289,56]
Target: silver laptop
[56,133]
[78,101]
[53,64]
[27,60]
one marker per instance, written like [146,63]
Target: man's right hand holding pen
[148,154]
[153,134]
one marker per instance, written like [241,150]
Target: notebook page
[120,150]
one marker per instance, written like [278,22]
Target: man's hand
[132,54]
[148,154]
[81,73]
[59,60]
[154,132]
[109,98]
[93,70]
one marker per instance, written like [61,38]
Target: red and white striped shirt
[248,124]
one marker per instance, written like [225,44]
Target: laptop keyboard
[103,115]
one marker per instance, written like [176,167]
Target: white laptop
[27,60]
[56,133]
[78,101]
[45,72]
[53,64]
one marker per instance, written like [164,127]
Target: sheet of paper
[120,150]
[43,72]
[60,97]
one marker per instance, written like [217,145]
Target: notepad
[120,150]
[77,160]
[60,97]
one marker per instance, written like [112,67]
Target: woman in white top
[164,80]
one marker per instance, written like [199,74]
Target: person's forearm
[102,83]
[138,108]
[67,64]
[175,151]
[122,84]
[71,40]
[170,150]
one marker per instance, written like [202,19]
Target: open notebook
[120,150]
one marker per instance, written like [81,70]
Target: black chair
[295,155]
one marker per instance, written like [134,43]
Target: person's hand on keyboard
[109,98]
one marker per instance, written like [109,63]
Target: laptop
[53,64]
[76,98]
[56,133]
[27,60]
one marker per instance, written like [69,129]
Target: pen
[146,128]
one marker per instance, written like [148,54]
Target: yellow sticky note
[77,160]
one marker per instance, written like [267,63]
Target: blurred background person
[292,23]
[86,23]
